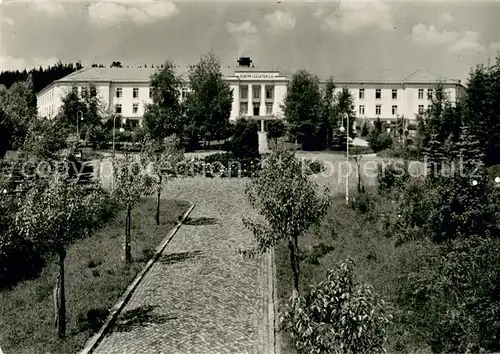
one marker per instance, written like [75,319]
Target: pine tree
[435,156]
[470,151]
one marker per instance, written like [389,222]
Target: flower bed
[220,165]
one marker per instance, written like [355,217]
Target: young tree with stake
[288,202]
[162,160]
[53,214]
[131,182]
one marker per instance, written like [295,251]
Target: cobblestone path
[201,296]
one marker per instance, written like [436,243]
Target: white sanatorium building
[257,93]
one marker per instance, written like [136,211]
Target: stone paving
[201,296]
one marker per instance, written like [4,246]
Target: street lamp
[79,114]
[114,128]
[342,129]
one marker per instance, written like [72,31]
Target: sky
[351,39]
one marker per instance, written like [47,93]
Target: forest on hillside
[41,77]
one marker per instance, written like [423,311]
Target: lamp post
[79,114]
[346,116]
[114,128]
[121,131]
[114,125]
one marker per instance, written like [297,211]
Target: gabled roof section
[422,76]
[110,74]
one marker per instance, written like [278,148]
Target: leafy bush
[108,209]
[411,126]
[93,321]
[364,130]
[417,200]
[464,209]
[453,299]
[318,252]
[245,141]
[275,129]
[379,141]
[362,203]
[338,315]
[19,260]
[314,166]
[390,175]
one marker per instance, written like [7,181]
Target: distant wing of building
[257,93]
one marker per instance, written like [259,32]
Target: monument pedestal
[263,146]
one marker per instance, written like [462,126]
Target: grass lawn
[345,233]
[95,279]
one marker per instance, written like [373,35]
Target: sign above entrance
[256,75]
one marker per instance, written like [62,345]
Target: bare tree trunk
[60,301]
[297,259]
[359,175]
[294,262]
[128,253]
[158,196]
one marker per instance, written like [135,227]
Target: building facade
[257,94]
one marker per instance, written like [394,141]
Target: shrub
[463,209]
[379,141]
[93,321]
[453,299]
[390,175]
[362,203]
[364,130]
[314,166]
[245,141]
[411,126]
[275,129]
[338,315]
[360,150]
[19,260]
[318,252]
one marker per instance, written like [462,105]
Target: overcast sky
[346,39]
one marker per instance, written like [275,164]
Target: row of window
[256,89]
[119,92]
[119,110]
[135,92]
[85,91]
[47,97]
[378,94]
[256,109]
[378,109]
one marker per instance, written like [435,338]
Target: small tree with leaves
[163,116]
[276,129]
[130,182]
[288,202]
[46,138]
[162,160]
[53,214]
[208,104]
[338,315]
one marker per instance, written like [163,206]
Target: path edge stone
[94,341]
[271,302]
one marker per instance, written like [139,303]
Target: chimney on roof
[244,62]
